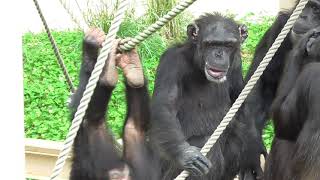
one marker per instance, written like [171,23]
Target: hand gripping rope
[249,86]
[78,118]
[141,37]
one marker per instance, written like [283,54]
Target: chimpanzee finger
[202,162]
[194,170]
[205,161]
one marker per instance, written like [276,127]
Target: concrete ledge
[40,158]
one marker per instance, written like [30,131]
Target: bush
[46,92]
[174,30]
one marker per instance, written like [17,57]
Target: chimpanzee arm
[286,98]
[295,108]
[240,142]
[90,49]
[93,142]
[166,129]
[285,118]
[144,164]
[262,95]
[166,132]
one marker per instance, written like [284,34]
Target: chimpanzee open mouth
[215,74]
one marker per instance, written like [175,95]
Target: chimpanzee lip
[216,73]
[299,31]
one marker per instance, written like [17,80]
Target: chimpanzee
[94,155]
[196,84]
[295,153]
[263,94]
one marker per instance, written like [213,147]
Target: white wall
[58,19]
[240,7]
[11,91]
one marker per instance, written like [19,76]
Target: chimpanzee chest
[202,107]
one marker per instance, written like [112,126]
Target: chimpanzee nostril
[218,54]
[303,16]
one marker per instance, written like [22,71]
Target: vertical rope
[249,86]
[55,48]
[79,115]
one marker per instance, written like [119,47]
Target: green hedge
[46,92]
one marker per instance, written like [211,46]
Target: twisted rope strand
[249,86]
[78,118]
[72,16]
[55,48]
[156,26]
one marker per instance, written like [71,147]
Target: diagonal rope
[72,16]
[133,42]
[249,86]
[55,48]
[79,115]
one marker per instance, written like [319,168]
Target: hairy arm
[166,129]
[166,132]
[262,95]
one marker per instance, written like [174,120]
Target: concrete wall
[240,7]
[286,4]
[58,19]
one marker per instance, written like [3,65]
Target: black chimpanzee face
[309,19]
[216,41]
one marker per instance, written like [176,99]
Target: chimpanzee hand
[92,41]
[250,168]
[251,174]
[312,39]
[94,37]
[191,159]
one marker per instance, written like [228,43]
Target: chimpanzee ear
[243,31]
[192,31]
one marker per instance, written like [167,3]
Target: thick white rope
[249,86]
[181,6]
[133,42]
[78,117]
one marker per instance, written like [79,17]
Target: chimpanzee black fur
[94,155]
[196,84]
[295,153]
[263,94]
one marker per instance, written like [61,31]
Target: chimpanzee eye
[315,9]
[229,45]
[209,44]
